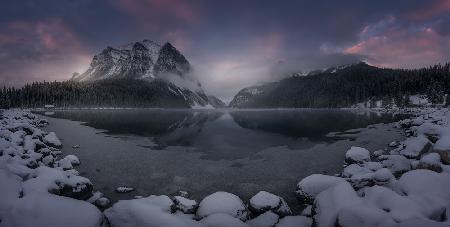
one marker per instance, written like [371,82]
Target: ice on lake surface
[242,152]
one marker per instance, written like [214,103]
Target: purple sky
[231,44]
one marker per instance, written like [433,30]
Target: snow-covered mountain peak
[144,59]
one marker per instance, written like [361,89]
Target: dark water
[162,151]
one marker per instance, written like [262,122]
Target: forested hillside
[348,86]
[104,93]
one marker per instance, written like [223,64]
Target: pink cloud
[404,48]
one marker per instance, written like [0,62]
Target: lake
[202,151]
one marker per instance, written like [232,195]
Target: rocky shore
[406,184]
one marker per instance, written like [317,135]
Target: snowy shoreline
[404,185]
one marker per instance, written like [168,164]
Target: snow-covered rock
[294,221]
[43,209]
[187,206]
[397,164]
[364,216]
[329,202]
[149,211]
[222,220]
[267,219]
[264,201]
[431,161]
[357,155]
[58,182]
[222,202]
[399,207]
[309,187]
[416,146]
[52,140]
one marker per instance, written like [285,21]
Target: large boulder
[222,202]
[309,187]
[264,201]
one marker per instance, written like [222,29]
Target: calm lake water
[243,152]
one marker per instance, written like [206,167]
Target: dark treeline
[354,84]
[105,93]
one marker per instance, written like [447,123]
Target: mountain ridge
[347,86]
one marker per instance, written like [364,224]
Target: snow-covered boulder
[431,161]
[329,202]
[264,201]
[442,147]
[222,202]
[355,169]
[380,177]
[149,211]
[429,189]
[267,219]
[43,209]
[222,220]
[52,140]
[187,206]
[67,162]
[294,221]
[309,187]
[364,216]
[416,147]
[357,155]
[58,182]
[374,166]
[399,207]
[397,164]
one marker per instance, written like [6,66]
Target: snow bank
[43,209]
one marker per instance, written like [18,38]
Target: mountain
[139,60]
[349,85]
[139,74]
[150,62]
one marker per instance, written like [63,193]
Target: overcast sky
[231,44]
